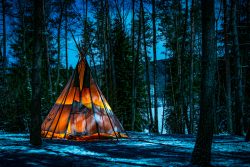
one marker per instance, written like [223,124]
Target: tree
[4,57]
[123,61]
[59,27]
[191,76]
[147,65]
[182,79]
[202,151]
[228,71]
[66,42]
[47,54]
[248,131]
[133,103]
[239,89]
[174,29]
[35,129]
[68,14]
[135,65]
[154,69]
[21,89]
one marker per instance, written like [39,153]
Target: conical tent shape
[81,112]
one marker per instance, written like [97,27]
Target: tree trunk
[104,23]
[228,72]
[236,52]
[154,69]
[35,131]
[113,80]
[248,135]
[202,151]
[107,73]
[66,43]
[24,50]
[47,57]
[3,56]
[137,59]
[218,92]
[172,84]
[179,107]
[59,47]
[191,76]
[182,89]
[110,60]
[4,32]
[247,139]
[133,102]
[147,68]
[165,107]
[118,12]
[86,35]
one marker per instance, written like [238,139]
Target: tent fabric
[81,112]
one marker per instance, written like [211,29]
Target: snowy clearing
[140,149]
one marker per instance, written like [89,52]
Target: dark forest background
[121,39]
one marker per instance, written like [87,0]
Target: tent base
[91,137]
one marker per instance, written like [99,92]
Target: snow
[139,150]
[73,150]
[160,114]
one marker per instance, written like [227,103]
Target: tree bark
[247,139]
[228,72]
[24,49]
[147,68]
[218,92]
[4,32]
[66,42]
[202,151]
[59,46]
[191,76]
[236,52]
[107,53]
[86,35]
[47,57]
[137,59]
[154,69]
[35,131]
[182,89]
[104,22]
[118,12]
[133,102]
[165,107]
[178,107]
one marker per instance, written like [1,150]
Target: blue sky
[160,49]
[78,26]
[72,50]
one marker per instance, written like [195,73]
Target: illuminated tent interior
[81,112]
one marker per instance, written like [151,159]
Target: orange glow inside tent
[81,112]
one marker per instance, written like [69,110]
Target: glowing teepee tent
[81,112]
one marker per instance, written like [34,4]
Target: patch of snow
[4,135]
[141,161]
[76,150]
[132,144]
[32,164]
[231,147]
[40,151]
[14,148]
[156,150]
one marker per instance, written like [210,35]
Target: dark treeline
[174,54]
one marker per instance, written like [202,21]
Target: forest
[169,69]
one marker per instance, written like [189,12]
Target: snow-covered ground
[139,150]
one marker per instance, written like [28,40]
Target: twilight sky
[78,27]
